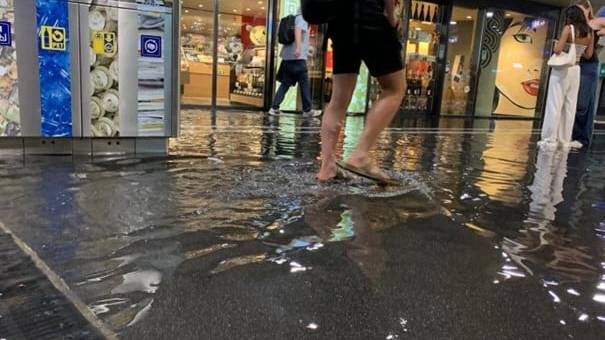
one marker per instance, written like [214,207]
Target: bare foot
[327,173]
[363,162]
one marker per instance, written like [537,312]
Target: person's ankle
[358,159]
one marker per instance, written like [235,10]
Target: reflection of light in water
[141,314]
[344,229]
[313,326]
[103,306]
[287,135]
[352,131]
[146,281]
[503,161]
[555,297]
[599,298]
[573,292]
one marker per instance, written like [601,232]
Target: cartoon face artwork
[520,65]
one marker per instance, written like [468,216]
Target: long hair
[575,16]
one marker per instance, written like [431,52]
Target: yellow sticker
[104,42]
[53,38]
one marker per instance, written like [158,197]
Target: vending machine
[88,69]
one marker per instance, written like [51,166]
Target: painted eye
[524,38]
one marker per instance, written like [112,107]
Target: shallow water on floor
[231,235]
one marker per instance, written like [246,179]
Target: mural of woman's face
[520,61]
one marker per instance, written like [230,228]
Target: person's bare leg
[343,87]
[379,117]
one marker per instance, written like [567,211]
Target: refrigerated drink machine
[88,76]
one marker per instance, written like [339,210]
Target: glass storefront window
[512,64]
[421,56]
[242,52]
[196,53]
[458,82]
[315,63]
[242,46]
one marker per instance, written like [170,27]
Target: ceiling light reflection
[555,298]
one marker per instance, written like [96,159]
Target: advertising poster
[512,55]
[128,70]
[10,124]
[151,73]
[55,67]
[104,73]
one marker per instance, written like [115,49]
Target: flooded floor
[230,237]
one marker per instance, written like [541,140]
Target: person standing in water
[589,76]
[564,83]
[365,31]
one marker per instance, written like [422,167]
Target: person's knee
[339,104]
[395,92]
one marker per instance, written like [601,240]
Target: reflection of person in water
[520,66]
[358,222]
[544,246]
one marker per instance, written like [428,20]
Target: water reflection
[358,221]
[234,221]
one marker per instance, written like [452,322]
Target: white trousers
[561,105]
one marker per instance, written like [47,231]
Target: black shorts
[378,46]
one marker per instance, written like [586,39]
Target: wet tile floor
[230,237]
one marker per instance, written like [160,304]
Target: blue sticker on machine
[55,67]
[151,46]
[6,38]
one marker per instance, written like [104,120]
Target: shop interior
[457,85]
[504,77]
[241,52]
[422,48]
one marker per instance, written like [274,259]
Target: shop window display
[241,52]
[421,56]
[512,64]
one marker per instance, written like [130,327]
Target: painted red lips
[532,87]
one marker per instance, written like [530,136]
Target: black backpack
[286,31]
[319,12]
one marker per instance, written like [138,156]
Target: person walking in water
[366,31]
[589,75]
[565,81]
[293,69]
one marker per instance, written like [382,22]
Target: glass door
[315,62]
[197,37]
[458,85]
[242,47]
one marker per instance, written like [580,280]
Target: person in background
[366,31]
[293,70]
[565,82]
[589,73]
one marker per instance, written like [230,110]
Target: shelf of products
[421,56]
[249,85]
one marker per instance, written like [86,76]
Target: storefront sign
[52,38]
[104,42]
[151,46]
[602,71]
[6,38]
